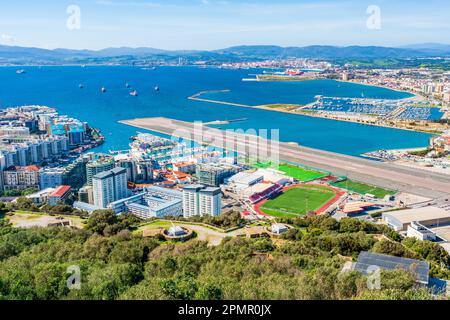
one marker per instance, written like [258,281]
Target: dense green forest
[117,264]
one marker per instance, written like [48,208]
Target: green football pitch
[298,201]
[296,172]
[363,188]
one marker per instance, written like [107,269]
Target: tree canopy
[115,263]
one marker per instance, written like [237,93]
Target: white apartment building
[191,200]
[210,201]
[154,202]
[34,151]
[109,186]
[14,131]
[199,200]
[21,177]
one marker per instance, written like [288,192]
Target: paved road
[412,180]
[213,237]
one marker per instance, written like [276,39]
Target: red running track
[338,194]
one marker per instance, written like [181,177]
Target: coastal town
[235,158]
[177,189]
[430,89]
[426,110]
[46,160]
[213,159]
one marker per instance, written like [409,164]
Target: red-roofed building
[59,195]
[176,177]
[32,168]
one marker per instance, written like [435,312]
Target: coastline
[416,96]
[196,97]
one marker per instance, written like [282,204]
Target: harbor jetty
[197,96]
[224,122]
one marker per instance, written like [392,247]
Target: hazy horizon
[408,46]
[217,24]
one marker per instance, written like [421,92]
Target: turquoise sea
[58,87]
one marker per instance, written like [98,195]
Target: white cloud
[146,4]
[7,39]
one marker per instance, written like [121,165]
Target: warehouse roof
[245,177]
[272,175]
[419,214]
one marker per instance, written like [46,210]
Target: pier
[386,175]
[217,122]
[196,97]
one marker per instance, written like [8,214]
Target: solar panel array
[366,260]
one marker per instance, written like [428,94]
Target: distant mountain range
[15,54]
[431,48]
[324,52]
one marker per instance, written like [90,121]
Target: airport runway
[386,175]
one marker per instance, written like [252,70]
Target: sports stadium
[299,200]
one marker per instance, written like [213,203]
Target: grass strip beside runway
[363,188]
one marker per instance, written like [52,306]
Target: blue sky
[214,24]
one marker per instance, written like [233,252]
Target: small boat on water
[134,93]
[81,86]
[103,89]
[21,71]
[156,88]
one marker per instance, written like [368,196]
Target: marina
[163,151]
[394,109]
